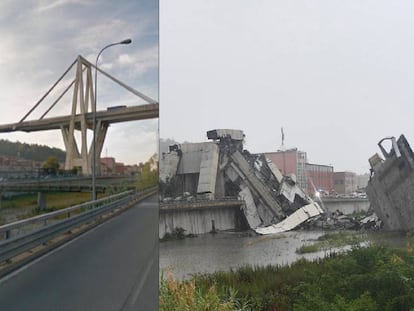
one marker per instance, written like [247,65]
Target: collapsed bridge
[221,168]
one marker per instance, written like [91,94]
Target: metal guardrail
[40,229]
[65,184]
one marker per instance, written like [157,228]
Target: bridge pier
[41,200]
[83,98]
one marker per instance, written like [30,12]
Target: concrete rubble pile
[391,185]
[339,221]
[221,168]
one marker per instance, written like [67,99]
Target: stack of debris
[339,221]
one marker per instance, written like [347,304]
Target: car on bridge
[116,107]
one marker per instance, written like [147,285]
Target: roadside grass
[332,240]
[19,201]
[55,201]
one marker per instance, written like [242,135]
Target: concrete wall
[199,220]
[346,206]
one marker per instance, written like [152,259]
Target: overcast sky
[336,75]
[40,39]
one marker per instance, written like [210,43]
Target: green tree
[148,176]
[51,165]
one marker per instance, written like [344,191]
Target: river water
[230,250]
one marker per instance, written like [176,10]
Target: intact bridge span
[81,116]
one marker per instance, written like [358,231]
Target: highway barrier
[24,235]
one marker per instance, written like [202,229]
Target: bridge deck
[121,114]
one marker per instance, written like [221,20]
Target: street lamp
[126,41]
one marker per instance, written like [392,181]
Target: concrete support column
[101,129]
[41,200]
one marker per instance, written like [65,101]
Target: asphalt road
[111,267]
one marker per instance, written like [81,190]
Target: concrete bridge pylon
[82,102]
[79,153]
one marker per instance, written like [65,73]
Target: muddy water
[225,251]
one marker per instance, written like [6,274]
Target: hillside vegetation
[30,151]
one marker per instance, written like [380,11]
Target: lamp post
[126,41]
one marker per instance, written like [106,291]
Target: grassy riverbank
[372,278]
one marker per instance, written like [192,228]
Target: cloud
[125,59]
[41,39]
[140,61]
[48,5]
[134,141]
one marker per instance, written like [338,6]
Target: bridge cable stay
[86,62]
[60,97]
[132,90]
[48,92]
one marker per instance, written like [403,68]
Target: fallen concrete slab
[302,215]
